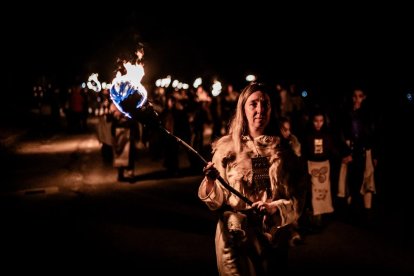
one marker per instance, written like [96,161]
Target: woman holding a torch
[251,235]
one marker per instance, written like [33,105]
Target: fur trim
[238,164]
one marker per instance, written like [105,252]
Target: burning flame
[125,86]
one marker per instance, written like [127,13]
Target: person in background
[293,171]
[356,179]
[287,139]
[318,150]
[124,132]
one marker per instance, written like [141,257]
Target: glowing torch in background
[93,83]
[131,98]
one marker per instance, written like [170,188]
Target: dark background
[325,49]
[303,42]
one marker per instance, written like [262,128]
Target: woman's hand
[210,171]
[211,174]
[263,207]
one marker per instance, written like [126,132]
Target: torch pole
[149,117]
[219,178]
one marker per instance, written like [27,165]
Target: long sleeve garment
[242,254]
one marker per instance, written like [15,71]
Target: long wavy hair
[238,126]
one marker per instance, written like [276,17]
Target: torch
[130,97]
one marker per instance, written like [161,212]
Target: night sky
[334,45]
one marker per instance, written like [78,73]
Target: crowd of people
[293,164]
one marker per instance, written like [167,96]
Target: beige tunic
[241,255]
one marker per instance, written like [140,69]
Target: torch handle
[219,178]
[234,191]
